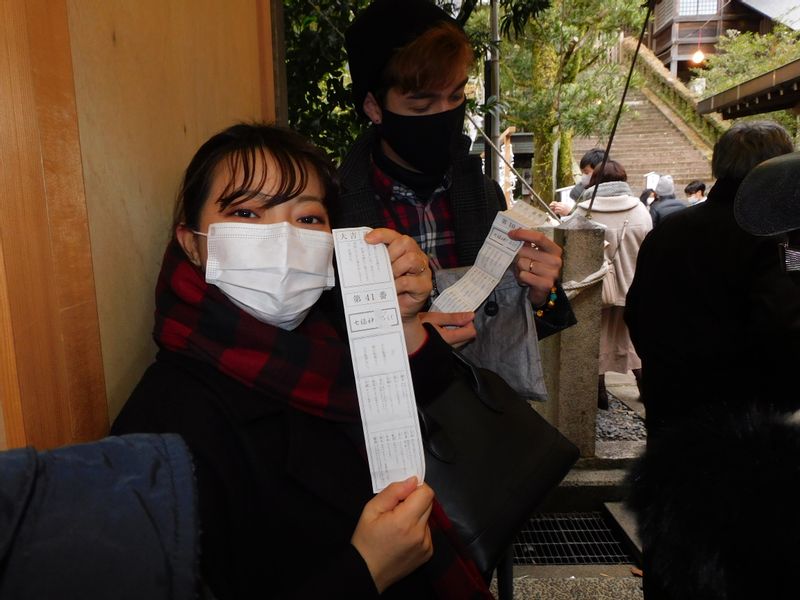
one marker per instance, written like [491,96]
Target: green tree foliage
[316,71]
[743,56]
[557,80]
[317,79]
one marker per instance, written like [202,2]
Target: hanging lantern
[698,56]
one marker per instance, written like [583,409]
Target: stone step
[647,141]
[626,525]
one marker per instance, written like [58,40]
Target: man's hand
[412,281]
[412,277]
[455,328]
[392,535]
[537,264]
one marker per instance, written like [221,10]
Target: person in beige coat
[627,222]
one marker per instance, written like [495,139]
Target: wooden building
[681,27]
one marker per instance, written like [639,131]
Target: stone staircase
[650,137]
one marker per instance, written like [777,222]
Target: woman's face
[306,210]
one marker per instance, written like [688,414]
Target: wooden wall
[102,103]
[51,378]
[153,80]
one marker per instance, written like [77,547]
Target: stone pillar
[570,358]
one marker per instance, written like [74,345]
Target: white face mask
[585,180]
[273,272]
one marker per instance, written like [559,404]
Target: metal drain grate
[568,539]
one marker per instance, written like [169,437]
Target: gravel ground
[619,423]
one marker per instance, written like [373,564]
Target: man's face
[429,102]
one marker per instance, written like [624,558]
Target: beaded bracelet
[551,302]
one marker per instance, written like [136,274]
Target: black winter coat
[711,314]
[663,207]
[280,491]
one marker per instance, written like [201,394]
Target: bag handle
[477,382]
[435,438]
[434,435]
[619,241]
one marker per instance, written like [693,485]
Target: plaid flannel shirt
[429,221]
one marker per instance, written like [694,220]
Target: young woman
[627,222]
[254,371]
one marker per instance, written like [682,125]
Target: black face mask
[425,142]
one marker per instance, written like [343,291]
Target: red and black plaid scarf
[308,368]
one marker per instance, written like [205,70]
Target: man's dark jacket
[475,200]
[280,490]
[663,207]
[711,313]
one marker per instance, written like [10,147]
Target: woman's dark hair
[592,158]
[645,195]
[613,171]
[243,147]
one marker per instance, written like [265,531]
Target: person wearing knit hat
[410,170]
[666,202]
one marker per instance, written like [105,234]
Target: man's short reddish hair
[427,62]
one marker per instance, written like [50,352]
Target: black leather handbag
[490,458]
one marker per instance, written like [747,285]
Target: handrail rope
[573,288]
[650,5]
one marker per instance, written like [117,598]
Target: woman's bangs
[248,170]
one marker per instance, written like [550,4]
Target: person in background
[647,197]
[723,477]
[710,311]
[411,169]
[695,192]
[627,222]
[708,492]
[254,372]
[666,203]
[768,206]
[589,162]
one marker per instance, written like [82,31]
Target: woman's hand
[562,209]
[392,535]
[537,264]
[412,280]
[455,328]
